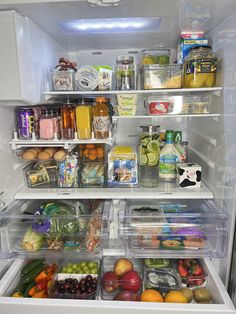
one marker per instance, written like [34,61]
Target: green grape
[91,265]
[86,270]
[93,271]
[63,270]
[83,264]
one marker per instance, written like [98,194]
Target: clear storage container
[93,174]
[113,285]
[77,282]
[58,228]
[161,76]
[155,56]
[183,228]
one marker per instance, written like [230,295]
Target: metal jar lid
[150,128]
[124,60]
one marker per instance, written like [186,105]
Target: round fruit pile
[123,278]
[71,288]
[89,267]
[149,150]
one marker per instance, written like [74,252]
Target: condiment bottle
[169,156]
[101,119]
[149,151]
[46,126]
[83,121]
[68,121]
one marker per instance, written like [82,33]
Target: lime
[152,159]
[164,60]
[143,159]
[145,141]
[153,146]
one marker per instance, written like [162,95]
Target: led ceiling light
[116,25]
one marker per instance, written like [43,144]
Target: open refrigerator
[34,35]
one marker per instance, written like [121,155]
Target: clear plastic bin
[161,76]
[155,56]
[192,272]
[75,284]
[93,174]
[113,285]
[180,228]
[55,229]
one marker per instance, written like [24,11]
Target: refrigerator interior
[211,139]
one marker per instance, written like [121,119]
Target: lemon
[175,297]
[148,60]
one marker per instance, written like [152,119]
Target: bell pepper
[41,285]
[17,295]
[32,291]
[40,294]
[42,275]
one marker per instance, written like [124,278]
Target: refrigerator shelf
[163,191]
[139,92]
[160,116]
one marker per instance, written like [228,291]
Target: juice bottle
[101,119]
[83,121]
[68,121]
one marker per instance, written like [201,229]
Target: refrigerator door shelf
[22,305]
[163,191]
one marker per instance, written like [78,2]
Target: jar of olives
[200,67]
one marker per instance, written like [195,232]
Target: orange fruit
[151,295]
[175,297]
[100,152]
[90,145]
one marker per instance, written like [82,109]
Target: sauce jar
[200,67]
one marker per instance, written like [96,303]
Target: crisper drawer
[57,228]
[190,228]
[222,303]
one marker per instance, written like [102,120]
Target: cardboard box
[188,175]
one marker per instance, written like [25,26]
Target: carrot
[41,276]
[40,294]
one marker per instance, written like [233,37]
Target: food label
[203,65]
[168,164]
[101,124]
[87,78]
[63,80]
[159,107]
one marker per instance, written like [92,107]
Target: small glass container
[155,56]
[46,126]
[149,152]
[200,67]
[125,73]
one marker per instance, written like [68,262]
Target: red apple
[110,281]
[126,295]
[122,266]
[131,281]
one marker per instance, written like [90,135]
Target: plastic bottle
[83,120]
[178,145]
[68,121]
[169,156]
[101,119]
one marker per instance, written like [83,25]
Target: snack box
[122,166]
[188,175]
[185,44]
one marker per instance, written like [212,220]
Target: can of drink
[25,122]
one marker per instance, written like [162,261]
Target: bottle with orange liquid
[68,121]
[101,118]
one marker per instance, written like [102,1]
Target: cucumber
[27,289]
[30,266]
[31,275]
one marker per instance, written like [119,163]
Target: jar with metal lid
[200,67]
[125,73]
[149,152]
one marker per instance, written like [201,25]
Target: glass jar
[200,67]
[125,72]
[149,152]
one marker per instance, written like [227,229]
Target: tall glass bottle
[149,151]
[169,156]
[68,121]
[101,118]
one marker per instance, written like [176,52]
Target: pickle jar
[200,67]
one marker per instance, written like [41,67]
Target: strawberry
[182,271]
[196,270]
